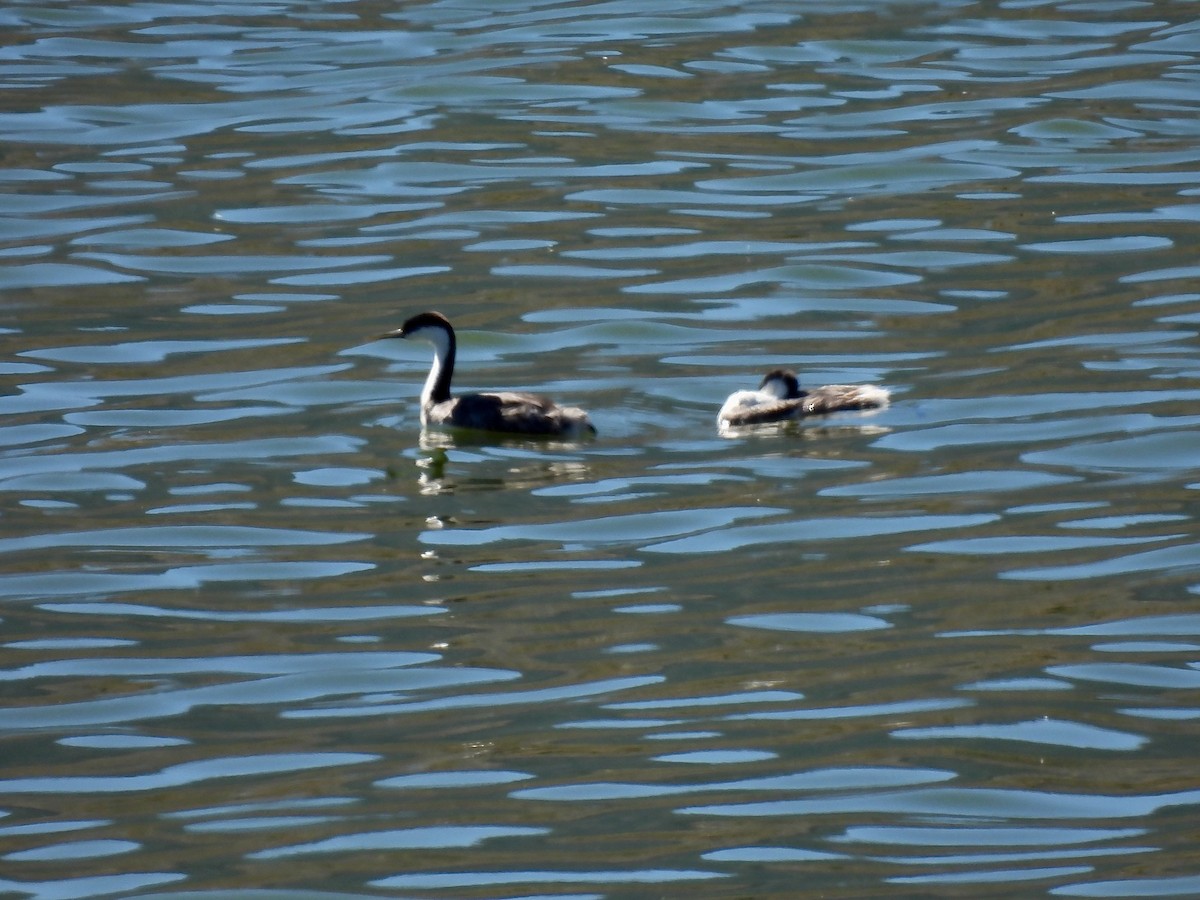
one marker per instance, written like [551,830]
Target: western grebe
[502,411]
[779,398]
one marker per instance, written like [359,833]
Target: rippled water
[260,633]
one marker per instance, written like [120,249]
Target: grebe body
[779,398]
[509,412]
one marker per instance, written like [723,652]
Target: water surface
[263,634]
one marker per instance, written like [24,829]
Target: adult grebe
[779,398]
[503,411]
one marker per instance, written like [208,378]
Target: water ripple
[184,773]
[983,803]
[609,529]
[228,535]
[732,538]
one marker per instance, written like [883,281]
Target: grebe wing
[514,412]
[834,397]
[759,413]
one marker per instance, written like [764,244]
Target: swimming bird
[779,398]
[509,412]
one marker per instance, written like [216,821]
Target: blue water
[264,637]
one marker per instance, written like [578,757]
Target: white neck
[441,358]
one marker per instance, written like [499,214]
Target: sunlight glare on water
[264,634]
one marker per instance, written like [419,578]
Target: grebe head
[781,384]
[432,327]
[427,325]
[435,328]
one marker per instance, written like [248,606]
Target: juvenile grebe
[779,398]
[502,411]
